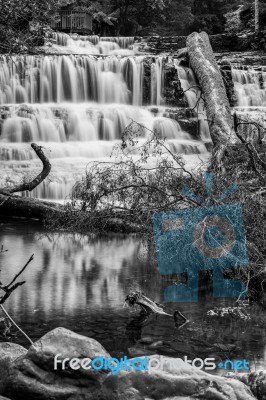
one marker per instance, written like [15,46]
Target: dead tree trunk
[217,105]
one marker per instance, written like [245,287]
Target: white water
[95,44]
[250,89]
[250,86]
[77,107]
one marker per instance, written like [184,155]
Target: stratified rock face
[226,71]
[221,42]
[173,92]
[9,352]
[32,376]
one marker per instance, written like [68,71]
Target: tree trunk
[257,16]
[203,63]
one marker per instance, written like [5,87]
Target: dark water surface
[81,284]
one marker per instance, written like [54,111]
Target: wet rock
[157,344]
[226,71]
[9,352]
[256,381]
[146,340]
[139,352]
[181,382]
[147,80]
[33,376]
[240,313]
[173,92]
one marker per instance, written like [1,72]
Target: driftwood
[149,306]
[204,65]
[18,206]
[36,181]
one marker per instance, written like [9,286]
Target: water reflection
[68,272]
[81,284]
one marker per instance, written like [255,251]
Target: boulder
[9,352]
[178,383]
[34,376]
[257,383]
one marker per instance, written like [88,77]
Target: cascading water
[77,107]
[250,86]
[95,44]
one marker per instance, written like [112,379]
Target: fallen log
[17,206]
[204,65]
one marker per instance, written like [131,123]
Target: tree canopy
[22,22]
[174,17]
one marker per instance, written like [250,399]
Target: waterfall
[31,79]
[95,44]
[250,86]
[77,106]
[157,81]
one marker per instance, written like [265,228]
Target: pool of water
[81,283]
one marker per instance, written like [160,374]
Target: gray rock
[33,376]
[9,352]
[256,381]
[182,382]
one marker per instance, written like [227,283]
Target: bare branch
[36,181]
[9,291]
[6,288]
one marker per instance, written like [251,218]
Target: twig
[14,323]
[6,288]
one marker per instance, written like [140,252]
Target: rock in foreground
[32,376]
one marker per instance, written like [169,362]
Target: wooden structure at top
[72,21]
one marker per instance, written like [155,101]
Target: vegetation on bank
[24,24]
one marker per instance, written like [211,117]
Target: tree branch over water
[36,181]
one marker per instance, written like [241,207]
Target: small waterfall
[250,86]
[96,44]
[192,94]
[157,81]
